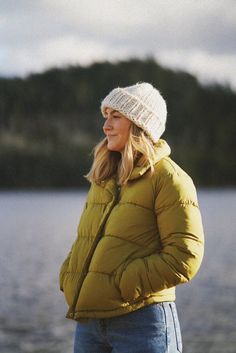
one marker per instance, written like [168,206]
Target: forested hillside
[50,122]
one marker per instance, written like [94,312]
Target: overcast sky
[198,36]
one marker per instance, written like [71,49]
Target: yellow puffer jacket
[134,243]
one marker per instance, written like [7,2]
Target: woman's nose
[107,125]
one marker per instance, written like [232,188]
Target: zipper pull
[118,193]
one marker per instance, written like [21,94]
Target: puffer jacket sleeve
[65,264]
[181,234]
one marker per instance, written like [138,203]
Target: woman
[139,236]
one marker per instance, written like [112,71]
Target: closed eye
[114,114]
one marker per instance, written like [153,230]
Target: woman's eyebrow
[112,112]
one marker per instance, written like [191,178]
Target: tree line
[50,122]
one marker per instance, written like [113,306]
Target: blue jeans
[152,329]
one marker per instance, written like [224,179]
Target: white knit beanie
[141,103]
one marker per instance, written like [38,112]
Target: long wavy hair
[139,150]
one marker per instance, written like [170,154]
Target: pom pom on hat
[142,104]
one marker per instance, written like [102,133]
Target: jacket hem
[83,315]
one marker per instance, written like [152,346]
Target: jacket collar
[162,150]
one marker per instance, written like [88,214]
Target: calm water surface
[37,230]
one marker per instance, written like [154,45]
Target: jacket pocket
[61,278]
[118,274]
[68,287]
[134,284]
[64,270]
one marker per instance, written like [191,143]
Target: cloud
[198,35]
[208,68]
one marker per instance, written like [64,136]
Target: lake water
[37,230]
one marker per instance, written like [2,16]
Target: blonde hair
[139,150]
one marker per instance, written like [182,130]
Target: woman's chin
[111,147]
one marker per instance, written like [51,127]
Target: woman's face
[116,129]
